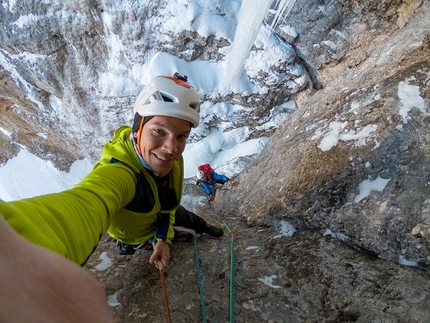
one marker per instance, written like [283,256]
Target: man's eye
[158,131]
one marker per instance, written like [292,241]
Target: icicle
[284,9]
[250,18]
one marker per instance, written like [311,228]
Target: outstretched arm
[72,222]
[38,284]
[220,178]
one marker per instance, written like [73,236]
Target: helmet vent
[166,98]
[158,96]
[194,106]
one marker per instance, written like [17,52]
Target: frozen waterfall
[250,18]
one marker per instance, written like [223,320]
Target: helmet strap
[139,135]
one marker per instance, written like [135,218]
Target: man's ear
[135,135]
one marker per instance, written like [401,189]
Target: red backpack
[207,169]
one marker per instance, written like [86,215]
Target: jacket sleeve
[72,222]
[163,224]
[206,187]
[219,177]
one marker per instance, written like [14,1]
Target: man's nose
[170,144]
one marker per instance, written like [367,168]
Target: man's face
[162,141]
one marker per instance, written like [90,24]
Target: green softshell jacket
[73,221]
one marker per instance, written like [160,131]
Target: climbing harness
[231,266]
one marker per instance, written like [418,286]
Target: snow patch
[106,262]
[287,230]
[367,186]
[337,131]
[268,280]
[113,299]
[410,98]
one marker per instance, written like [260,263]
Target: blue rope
[202,297]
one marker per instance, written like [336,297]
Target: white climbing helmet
[170,96]
[200,174]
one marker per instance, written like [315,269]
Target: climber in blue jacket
[207,178]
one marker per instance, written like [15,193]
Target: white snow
[336,235]
[287,230]
[336,131]
[106,262]
[289,30]
[408,263]
[323,9]
[268,280]
[410,97]
[330,44]
[113,299]
[256,248]
[6,132]
[27,175]
[367,186]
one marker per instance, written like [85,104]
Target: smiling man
[164,113]
[133,192]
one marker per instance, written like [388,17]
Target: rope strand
[166,302]
[199,276]
[232,279]
[202,296]
[231,265]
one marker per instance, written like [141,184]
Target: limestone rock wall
[369,124]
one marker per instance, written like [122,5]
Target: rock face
[367,126]
[304,278]
[349,170]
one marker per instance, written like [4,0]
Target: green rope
[222,221]
[231,268]
[202,297]
[232,280]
